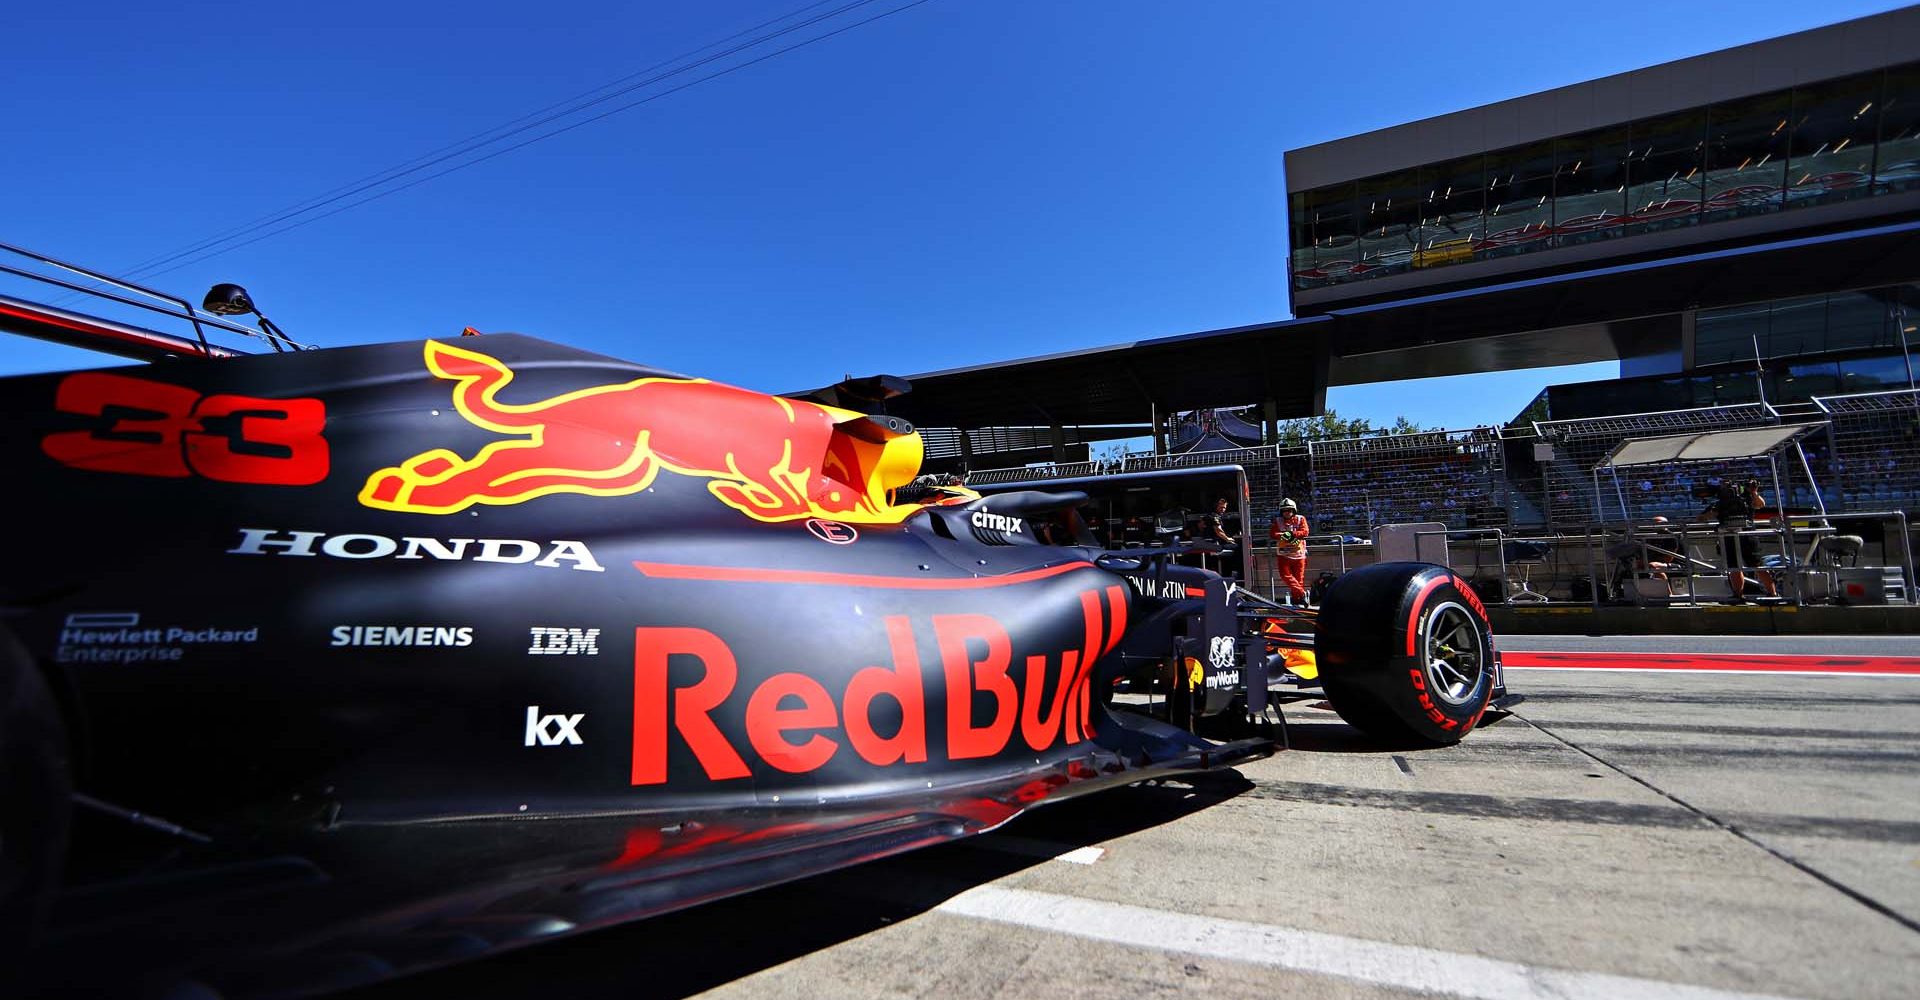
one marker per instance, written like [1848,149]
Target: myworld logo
[271,541]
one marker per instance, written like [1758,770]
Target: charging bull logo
[770,458]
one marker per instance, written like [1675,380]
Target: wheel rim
[1456,656]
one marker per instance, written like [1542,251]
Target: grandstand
[1450,477]
[1539,477]
[1573,447]
[1873,450]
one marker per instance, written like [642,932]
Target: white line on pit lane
[1027,847]
[1394,965]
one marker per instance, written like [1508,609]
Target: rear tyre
[1406,654]
[36,797]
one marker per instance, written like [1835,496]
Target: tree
[1330,425]
[1536,410]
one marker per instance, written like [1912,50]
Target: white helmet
[1287,503]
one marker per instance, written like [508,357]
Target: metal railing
[1350,485]
[106,288]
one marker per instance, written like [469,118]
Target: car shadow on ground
[694,950]
[1314,732]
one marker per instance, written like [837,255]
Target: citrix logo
[552,730]
[548,640]
[996,522]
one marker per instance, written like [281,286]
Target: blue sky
[965,181]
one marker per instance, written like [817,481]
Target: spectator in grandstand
[1289,534]
[1213,528]
[1734,507]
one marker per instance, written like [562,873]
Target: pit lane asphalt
[1704,834]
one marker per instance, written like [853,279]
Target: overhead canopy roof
[1710,446]
[1123,383]
[1590,315]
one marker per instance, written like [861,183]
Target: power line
[430,160]
[473,146]
[546,135]
[572,105]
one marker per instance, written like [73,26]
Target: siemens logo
[402,635]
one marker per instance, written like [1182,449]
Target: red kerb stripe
[1771,662]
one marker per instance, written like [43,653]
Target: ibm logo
[545,640]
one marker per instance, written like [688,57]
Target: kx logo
[549,641]
[552,730]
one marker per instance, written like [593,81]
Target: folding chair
[1526,555]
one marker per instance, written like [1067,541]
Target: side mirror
[227,300]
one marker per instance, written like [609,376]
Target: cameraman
[1734,508]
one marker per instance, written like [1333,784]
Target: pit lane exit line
[1769,663]
[1395,965]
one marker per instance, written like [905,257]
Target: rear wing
[124,331]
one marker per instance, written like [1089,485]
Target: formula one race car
[1218,651]
[324,665]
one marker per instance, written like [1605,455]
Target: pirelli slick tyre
[1405,653]
[35,800]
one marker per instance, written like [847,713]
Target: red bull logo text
[768,457]
[795,724]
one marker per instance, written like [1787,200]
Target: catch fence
[1018,474]
[1576,446]
[1872,449]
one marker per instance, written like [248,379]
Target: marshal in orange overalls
[1289,533]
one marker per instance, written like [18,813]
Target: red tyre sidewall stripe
[1413,613]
